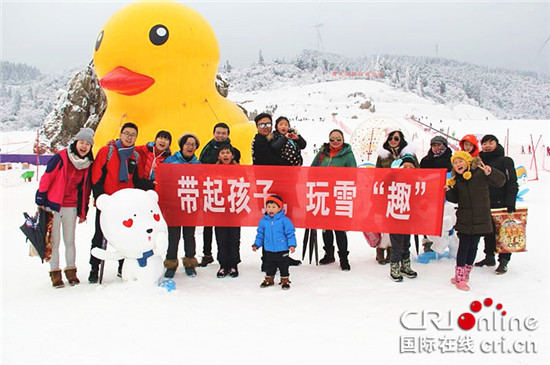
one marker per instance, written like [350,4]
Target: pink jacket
[52,186]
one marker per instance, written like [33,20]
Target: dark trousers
[207,241]
[189,244]
[274,261]
[229,241]
[341,242]
[97,241]
[400,247]
[467,249]
[491,246]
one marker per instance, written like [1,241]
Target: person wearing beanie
[400,260]
[209,155]
[469,188]
[469,144]
[65,190]
[277,235]
[393,148]
[287,143]
[335,153]
[115,168]
[150,155]
[188,144]
[439,155]
[228,238]
[492,154]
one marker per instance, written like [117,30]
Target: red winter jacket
[111,184]
[51,189]
[148,154]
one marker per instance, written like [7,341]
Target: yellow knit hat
[464,156]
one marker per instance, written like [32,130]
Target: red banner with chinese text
[403,201]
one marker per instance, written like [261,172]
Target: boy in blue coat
[276,234]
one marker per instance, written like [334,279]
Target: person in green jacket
[336,153]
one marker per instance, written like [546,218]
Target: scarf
[334,151]
[124,154]
[142,261]
[80,163]
[440,151]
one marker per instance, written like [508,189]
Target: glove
[511,209]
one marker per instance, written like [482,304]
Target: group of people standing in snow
[481,180]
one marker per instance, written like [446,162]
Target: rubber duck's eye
[98,41]
[158,35]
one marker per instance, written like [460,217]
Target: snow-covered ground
[328,316]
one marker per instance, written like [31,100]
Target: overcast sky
[56,35]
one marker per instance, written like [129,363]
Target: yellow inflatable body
[157,62]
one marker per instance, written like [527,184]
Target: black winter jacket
[264,154]
[504,196]
[473,215]
[442,162]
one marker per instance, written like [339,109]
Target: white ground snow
[328,316]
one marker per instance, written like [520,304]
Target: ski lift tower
[320,46]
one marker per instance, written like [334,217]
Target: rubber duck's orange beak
[126,82]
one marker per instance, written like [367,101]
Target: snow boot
[222,273]
[57,281]
[268,281]
[468,271]
[380,256]
[171,267]
[427,245]
[395,273]
[406,269]
[93,278]
[487,261]
[206,260]
[233,272]
[70,273]
[344,263]
[502,267]
[329,256]
[189,264]
[285,283]
[460,278]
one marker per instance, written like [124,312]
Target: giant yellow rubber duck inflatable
[157,62]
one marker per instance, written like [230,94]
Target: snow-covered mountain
[505,93]
[27,97]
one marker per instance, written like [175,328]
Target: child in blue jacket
[276,234]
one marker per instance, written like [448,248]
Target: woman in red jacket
[65,189]
[150,155]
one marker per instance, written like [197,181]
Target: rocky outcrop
[81,105]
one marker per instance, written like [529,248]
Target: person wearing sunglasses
[335,153]
[262,152]
[393,148]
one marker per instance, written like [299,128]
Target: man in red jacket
[115,168]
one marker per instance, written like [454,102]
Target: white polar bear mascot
[133,225]
[447,240]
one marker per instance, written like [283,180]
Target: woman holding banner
[335,153]
[188,144]
[393,148]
